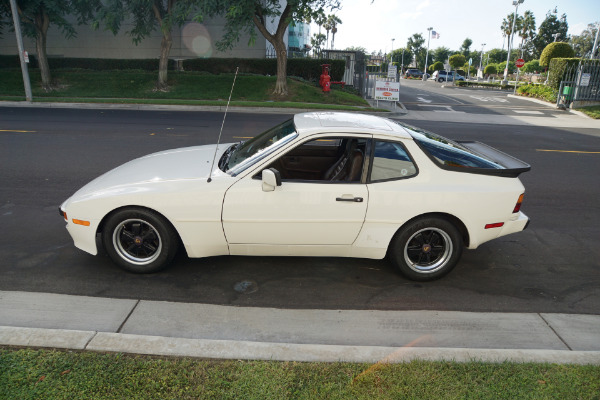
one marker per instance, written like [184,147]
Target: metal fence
[581,85]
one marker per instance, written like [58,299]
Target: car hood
[177,164]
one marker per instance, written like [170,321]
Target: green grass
[184,88]
[48,374]
[592,111]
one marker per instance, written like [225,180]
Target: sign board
[392,71]
[26,56]
[520,62]
[388,91]
[585,80]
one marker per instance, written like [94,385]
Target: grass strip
[592,111]
[52,374]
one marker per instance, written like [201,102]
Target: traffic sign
[520,62]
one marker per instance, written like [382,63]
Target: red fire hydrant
[325,80]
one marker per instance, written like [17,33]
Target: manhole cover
[246,287]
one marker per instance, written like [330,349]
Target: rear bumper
[518,224]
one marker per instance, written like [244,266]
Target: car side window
[391,161]
[325,160]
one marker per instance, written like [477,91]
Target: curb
[244,350]
[545,103]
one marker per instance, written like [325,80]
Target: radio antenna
[222,125]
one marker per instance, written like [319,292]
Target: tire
[441,80]
[139,241]
[426,249]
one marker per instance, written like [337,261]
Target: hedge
[306,68]
[98,64]
[559,67]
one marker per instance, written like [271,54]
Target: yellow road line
[571,151]
[13,130]
[243,137]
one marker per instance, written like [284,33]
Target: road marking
[16,131]
[243,137]
[486,99]
[448,110]
[528,112]
[423,100]
[570,151]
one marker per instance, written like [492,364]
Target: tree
[38,15]
[440,54]
[554,50]
[457,60]
[526,28]
[497,55]
[415,46]
[148,16]
[249,15]
[582,44]
[548,28]
[465,49]
[436,66]
[506,28]
[332,23]
[317,42]
[490,70]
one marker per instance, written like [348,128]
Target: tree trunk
[163,64]
[281,84]
[41,26]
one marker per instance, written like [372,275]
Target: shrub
[538,91]
[436,66]
[457,61]
[532,66]
[490,69]
[558,69]
[556,50]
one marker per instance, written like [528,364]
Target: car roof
[339,122]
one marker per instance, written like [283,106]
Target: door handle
[353,199]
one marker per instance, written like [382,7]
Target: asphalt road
[47,154]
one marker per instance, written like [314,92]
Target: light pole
[402,67]
[556,35]
[427,54]
[512,32]
[595,43]
[481,58]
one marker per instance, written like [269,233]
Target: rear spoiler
[513,167]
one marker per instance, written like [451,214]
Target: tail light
[518,205]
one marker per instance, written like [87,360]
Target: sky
[374,25]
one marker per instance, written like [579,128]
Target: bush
[436,66]
[556,50]
[538,91]
[490,69]
[532,66]
[96,64]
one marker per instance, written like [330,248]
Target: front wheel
[139,240]
[441,80]
[426,249]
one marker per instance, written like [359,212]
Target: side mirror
[271,178]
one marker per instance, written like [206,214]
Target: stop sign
[520,62]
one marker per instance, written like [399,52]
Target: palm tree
[506,28]
[334,23]
[526,28]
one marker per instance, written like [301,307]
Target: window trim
[372,158]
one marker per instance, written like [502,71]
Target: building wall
[192,40]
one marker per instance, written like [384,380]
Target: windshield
[248,152]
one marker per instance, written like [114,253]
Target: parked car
[320,184]
[443,76]
[414,73]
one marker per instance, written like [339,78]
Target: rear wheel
[139,240]
[441,80]
[426,249]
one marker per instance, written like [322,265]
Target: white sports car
[320,184]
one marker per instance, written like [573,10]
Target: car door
[300,211]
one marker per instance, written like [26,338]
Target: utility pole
[427,54]
[17,22]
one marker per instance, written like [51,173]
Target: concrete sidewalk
[212,331]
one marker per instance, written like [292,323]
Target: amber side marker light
[80,222]
[518,206]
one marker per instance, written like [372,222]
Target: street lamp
[512,31]
[556,35]
[481,58]
[427,54]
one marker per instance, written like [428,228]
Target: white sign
[585,80]
[26,56]
[389,91]
[392,71]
